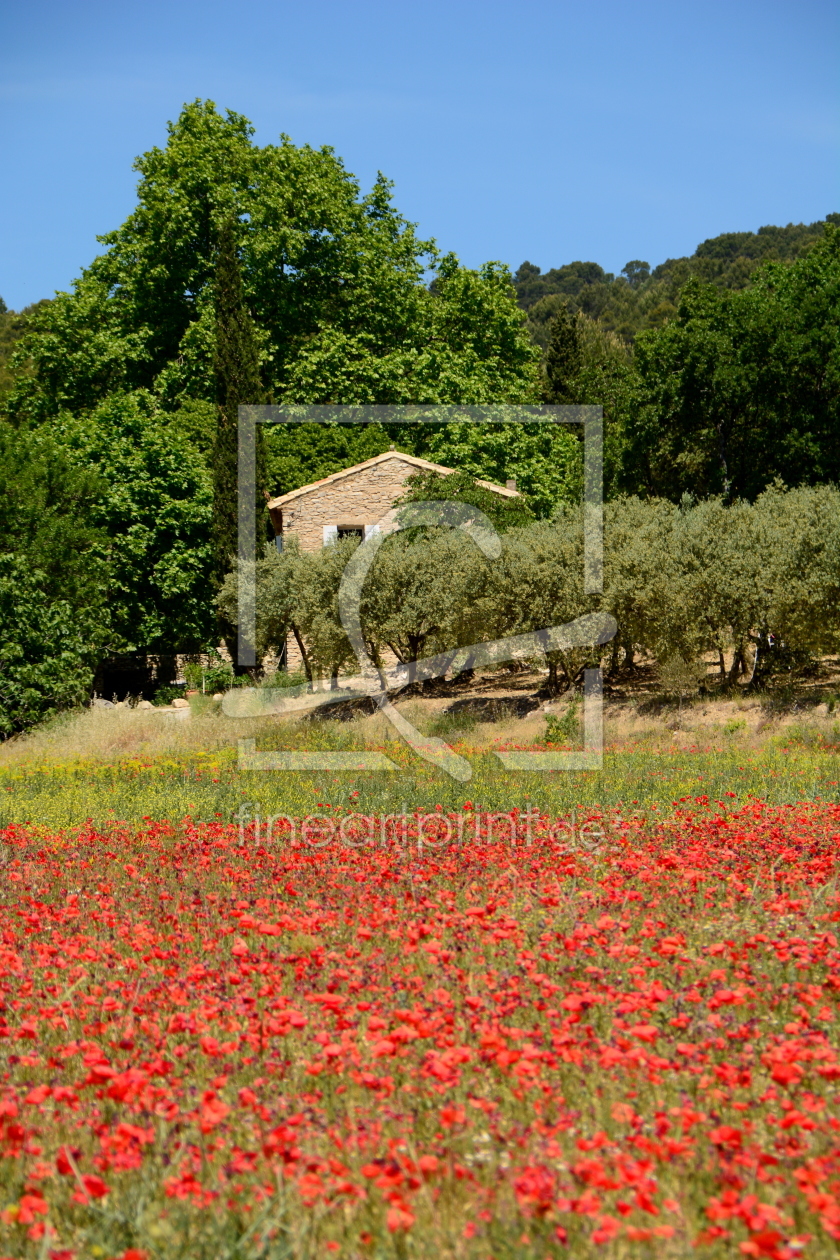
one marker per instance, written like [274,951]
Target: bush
[217,676]
[165,695]
[280,678]
[47,653]
[565,729]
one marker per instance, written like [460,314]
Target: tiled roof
[380,459]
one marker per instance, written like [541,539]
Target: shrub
[165,695]
[47,652]
[216,676]
[565,729]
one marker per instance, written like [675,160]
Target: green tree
[562,359]
[155,506]
[466,343]
[586,364]
[333,280]
[49,647]
[686,582]
[798,558]
[297,593]
[543,459]
[49,501]
[538,582]
[237,382]
[13,325]
[460,487]
[742,387]
[422,595]
[55,617]
[300,454]
[636,272]
[640,578]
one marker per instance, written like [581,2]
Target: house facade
[350,503]
[353,501]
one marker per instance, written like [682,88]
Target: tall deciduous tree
[460,487]
[238,382]
[48,648]
[155,506]
[55,618]
[335,281]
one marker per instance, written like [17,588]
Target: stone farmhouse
[347,503]
[353,501]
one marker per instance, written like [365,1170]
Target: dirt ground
[516,707]
[497,708]
[490,710]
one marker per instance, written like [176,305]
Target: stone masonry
[354,499]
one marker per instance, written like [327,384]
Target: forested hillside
[738,386]
[642,298]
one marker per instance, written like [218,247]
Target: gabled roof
[419,464]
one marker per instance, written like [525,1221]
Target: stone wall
[360,498]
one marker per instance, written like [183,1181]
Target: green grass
[205,783]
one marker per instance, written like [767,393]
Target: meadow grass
[103,766]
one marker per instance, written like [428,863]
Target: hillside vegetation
[644,297]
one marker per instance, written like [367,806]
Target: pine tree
[562,359]
[237,382]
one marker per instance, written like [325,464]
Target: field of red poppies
[530,1045]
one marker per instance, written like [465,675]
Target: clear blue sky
[538,130]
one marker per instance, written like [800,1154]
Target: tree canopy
[335,282]
[742,387]
[642,297]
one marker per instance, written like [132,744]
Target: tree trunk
[415,647]
[737,665]
[307,668]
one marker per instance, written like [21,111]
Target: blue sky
[539,130]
